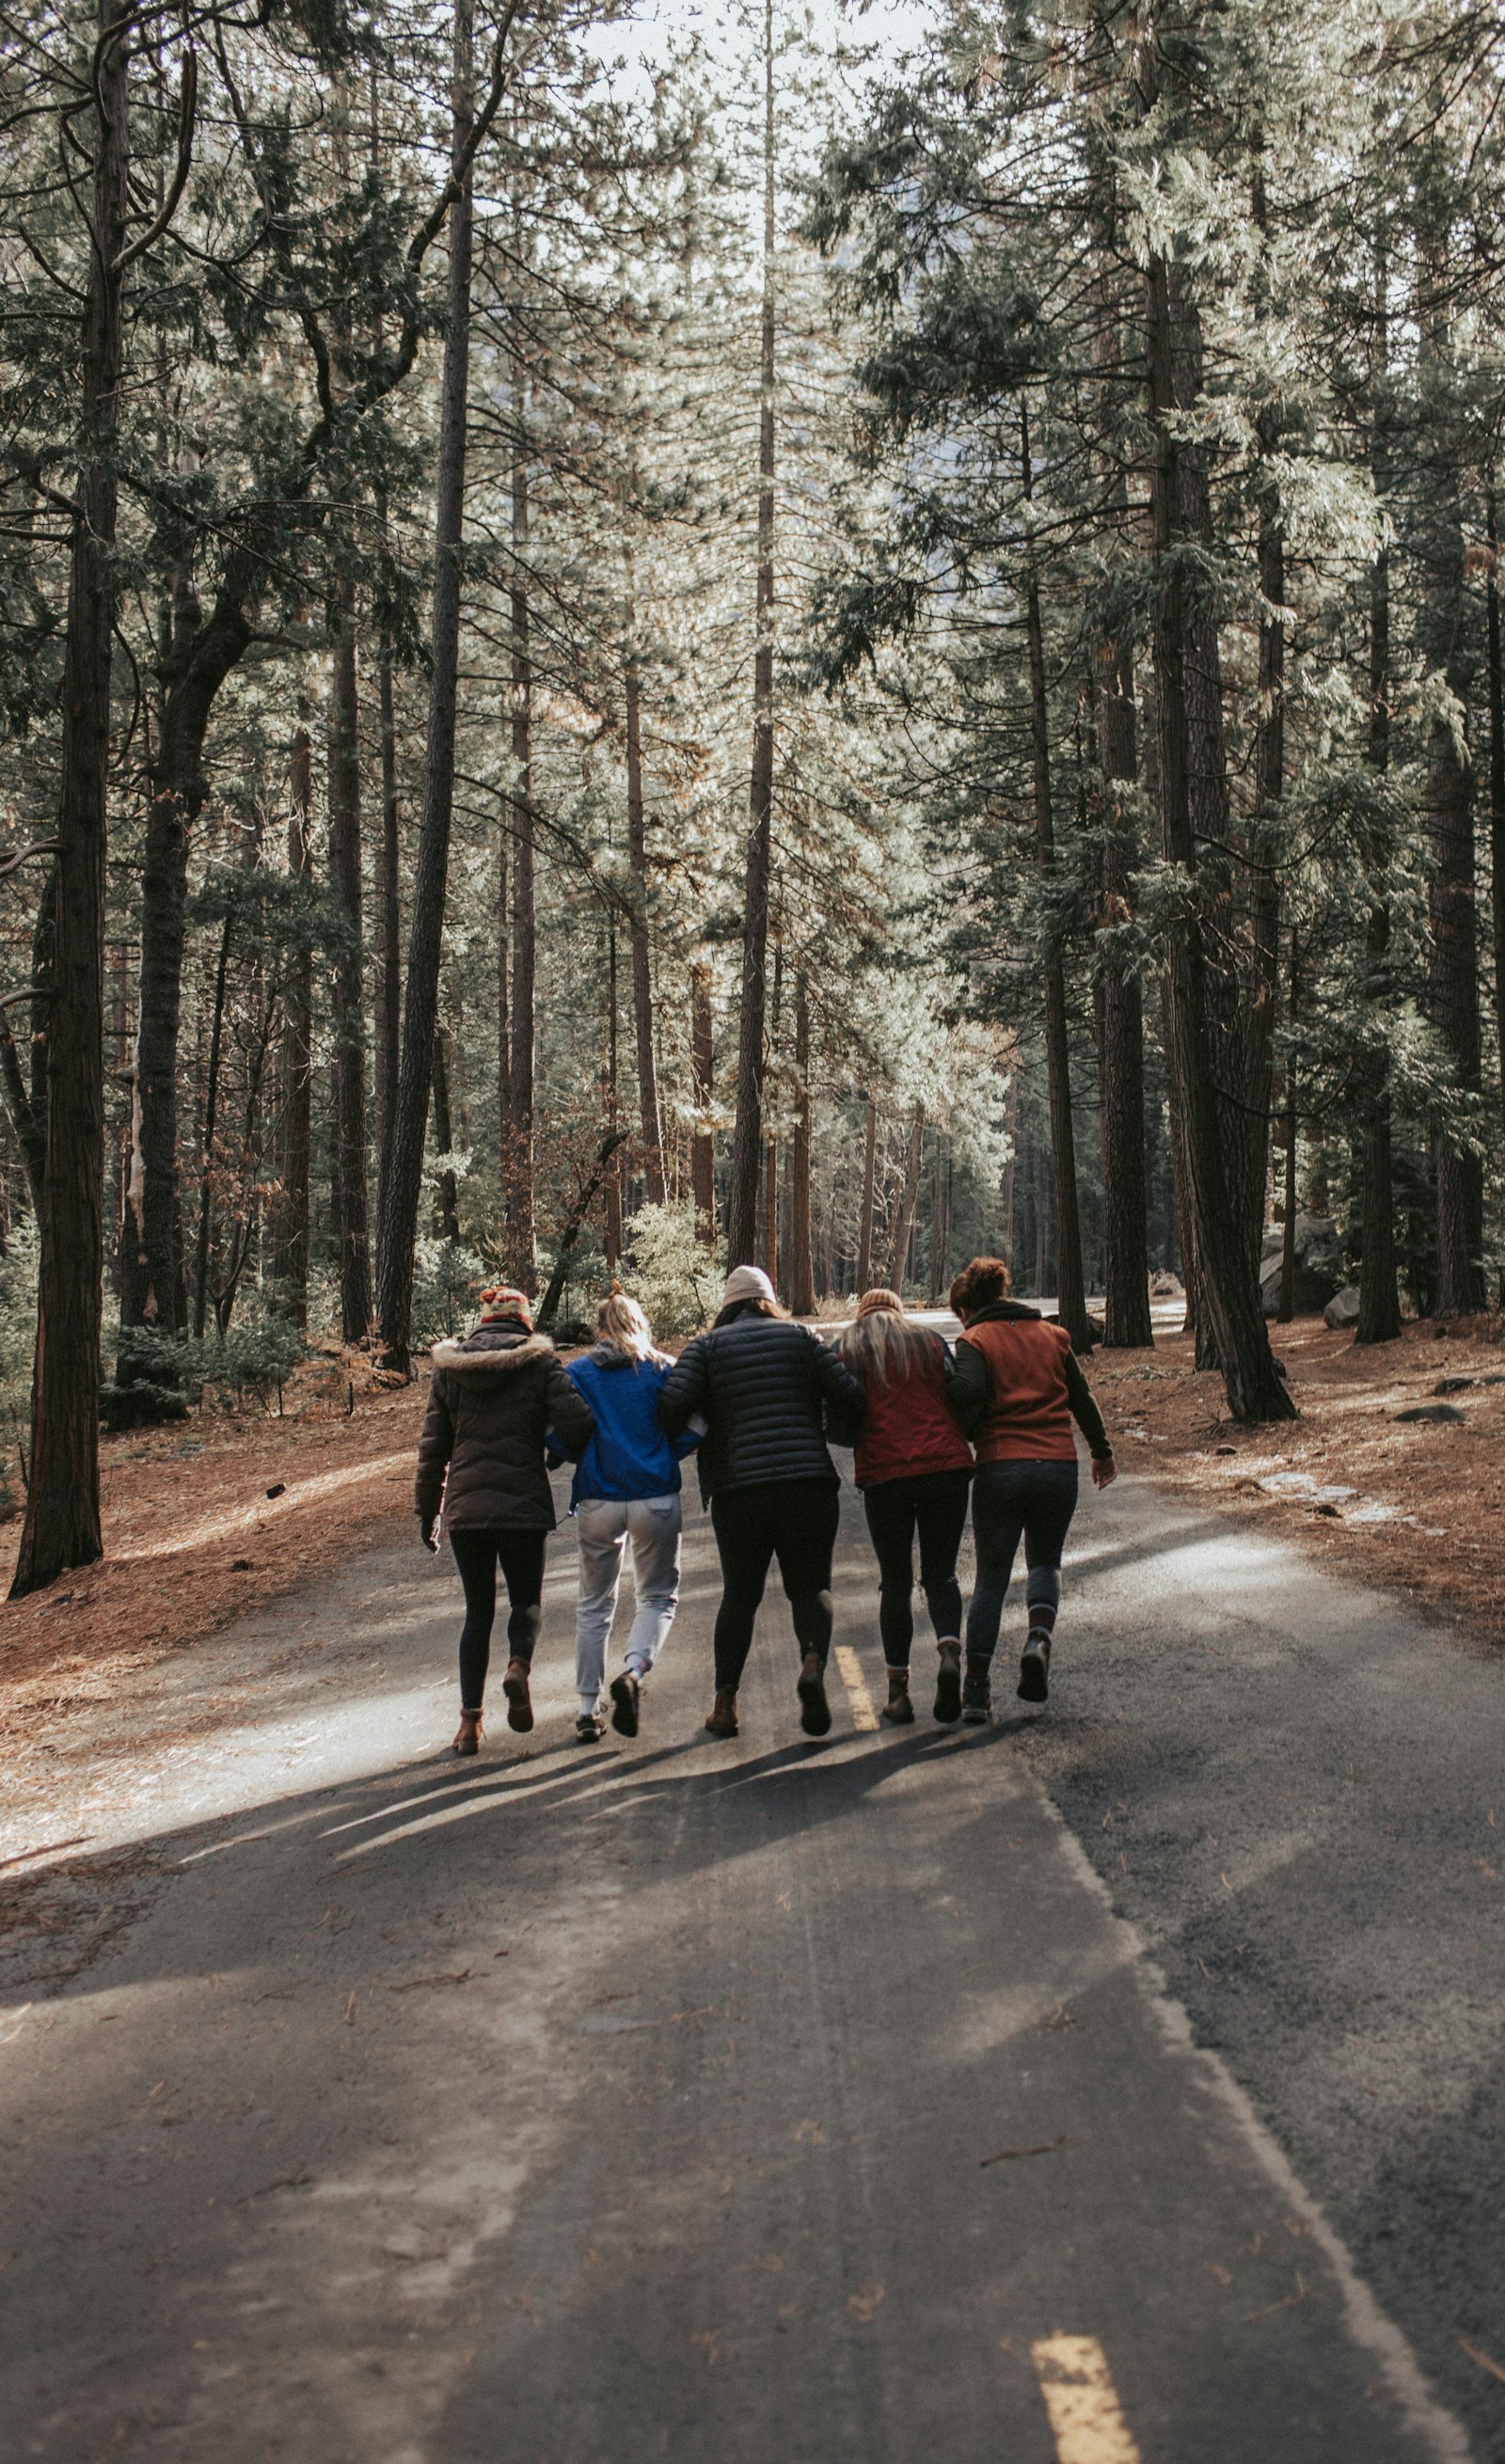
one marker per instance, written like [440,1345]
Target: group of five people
[757,1398]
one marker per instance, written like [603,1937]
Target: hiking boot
[814,1710]
[977,1694]
[589,1729]
[468,1735]
[723,1722]
[899,1708]
[948,1682]
[519,1702]
[625,1691]
[1034,1668]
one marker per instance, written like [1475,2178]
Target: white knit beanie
[746,1283]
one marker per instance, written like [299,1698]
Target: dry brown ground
[193,1541]
[1412,1506]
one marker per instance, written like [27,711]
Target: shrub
[675,1276]
[446,1279]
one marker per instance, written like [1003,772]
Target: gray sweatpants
[605,1525]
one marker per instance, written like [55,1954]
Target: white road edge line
[1371,2328]
[1086,2417]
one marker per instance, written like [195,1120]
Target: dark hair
[979,1284]
[755,1306]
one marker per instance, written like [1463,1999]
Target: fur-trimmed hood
[491,1351]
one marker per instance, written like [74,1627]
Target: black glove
[428,1535]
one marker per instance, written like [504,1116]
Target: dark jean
[1010,1501]
[933,1504]
[519,1553]
[793,1520]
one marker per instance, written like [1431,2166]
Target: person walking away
[763,1384]
[1016,1388]
[625,1490]
[913,1468]
[492,1399]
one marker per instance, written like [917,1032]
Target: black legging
[477,1555]
[793,1520]
[935,1504]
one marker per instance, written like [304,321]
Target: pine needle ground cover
[1413,1505]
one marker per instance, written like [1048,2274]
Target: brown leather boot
[519,1702]
[468,1735]
[723,1722]
[899,1708]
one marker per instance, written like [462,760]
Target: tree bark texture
[702,1067]
[520,1227]
[1379,1289]
[431,868]
[446,1213]
[350,1004]
[909,1198]
[642,955]
[291,1248]
[61,1528]
[389,1010]
[1126,1265]
[1071,1287]
[742,1229]
[869,1197]
[801,1278]
[1226,1282]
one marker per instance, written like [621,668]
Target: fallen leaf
[864,2305]
[1007,2155]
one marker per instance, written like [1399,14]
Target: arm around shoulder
[570,1416]
[967,1384]
[686,1389]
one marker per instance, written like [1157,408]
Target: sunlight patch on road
[1086,2417]
[267,1509]
[863,1714]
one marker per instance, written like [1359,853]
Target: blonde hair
[883,1346]
[624,1323]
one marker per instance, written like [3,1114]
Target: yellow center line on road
[863,1714]
[1086,2416]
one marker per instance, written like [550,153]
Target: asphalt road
[766,2100]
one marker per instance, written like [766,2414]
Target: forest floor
[1412,1504]
[194,1541]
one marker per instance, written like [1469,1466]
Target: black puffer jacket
[764,1385]
[491,1399]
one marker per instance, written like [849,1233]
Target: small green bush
[446,1279]
[671,1272]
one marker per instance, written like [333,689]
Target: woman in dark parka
[764,1386]
[492,1399]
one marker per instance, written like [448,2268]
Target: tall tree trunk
[1497,776]
[769,1242]
[1011,1167]
[291,1251]
[349,1006]
[1126,1264]
[613,1163]
[1285,1309]
[801,1277]
[211,1112]
[431,871]
[937,1214]
[868,1198]
[446,1210]
[742,1229]
[702,1067]
[522,1230]
[62,1504]
[388,1009]
[909,1197]
[1071,1294]
[1226,1278]
[1379,1292]
[642,956]
[1251,1140]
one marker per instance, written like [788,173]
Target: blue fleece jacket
[628,1455]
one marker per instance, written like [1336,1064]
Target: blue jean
[1013,1501]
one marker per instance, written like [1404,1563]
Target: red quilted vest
[908,1427]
